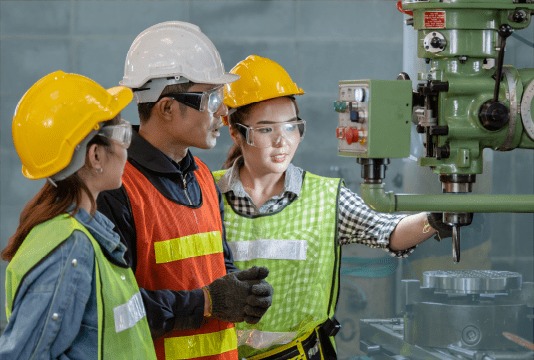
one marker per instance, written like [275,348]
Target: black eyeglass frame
[192,99]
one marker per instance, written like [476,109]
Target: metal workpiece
[475,326]
[525,294]
[385,339]
[472,281]
[410,292]
[462,314]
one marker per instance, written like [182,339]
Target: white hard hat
[171,52]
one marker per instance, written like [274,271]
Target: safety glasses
[121,132]
[209,100]
[266,135]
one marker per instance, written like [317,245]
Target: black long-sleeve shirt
[166,309]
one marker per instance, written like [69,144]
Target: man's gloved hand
[261,293]
[239,296]
[435,220]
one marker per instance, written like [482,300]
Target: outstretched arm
[410,231]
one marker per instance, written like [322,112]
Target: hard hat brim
[120,97]
[227,78]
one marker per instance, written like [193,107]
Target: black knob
[505,30]
[493,115]
[519,16]
[403,76]
[435,42]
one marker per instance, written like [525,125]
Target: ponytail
[233,153]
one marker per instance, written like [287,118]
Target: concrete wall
[317,42]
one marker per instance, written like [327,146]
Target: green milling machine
[467,102]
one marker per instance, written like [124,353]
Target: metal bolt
[55,316]
[74,262]
[471,335]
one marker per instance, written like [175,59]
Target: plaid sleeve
[358,223]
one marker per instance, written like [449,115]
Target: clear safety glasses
[208,100]
[267,135]
[121,132]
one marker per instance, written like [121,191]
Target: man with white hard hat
[169,211]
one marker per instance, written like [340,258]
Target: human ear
[235,135]
[164,107]
[95,156]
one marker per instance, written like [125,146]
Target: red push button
[351,135]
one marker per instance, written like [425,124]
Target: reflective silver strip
[128,314]
[263,339]
[269,249]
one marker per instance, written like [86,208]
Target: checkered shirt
[357,222]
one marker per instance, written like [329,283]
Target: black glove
[229,294]
[435,220]
[261,293]
[259,302]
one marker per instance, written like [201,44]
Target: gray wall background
[318,43]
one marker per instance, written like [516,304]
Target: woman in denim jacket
[67,276]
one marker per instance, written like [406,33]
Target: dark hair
[240,117]
[52,201]
[145,109]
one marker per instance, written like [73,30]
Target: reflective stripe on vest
[188,347]
[116,288]
[130,313]
[181,249]
[263,339]
[269,249]
[188,247]
[305,288]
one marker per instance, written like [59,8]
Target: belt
[313,345]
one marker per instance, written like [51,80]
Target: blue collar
[102,230]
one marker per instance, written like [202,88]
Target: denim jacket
[56,286]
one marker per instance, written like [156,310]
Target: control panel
[374,118]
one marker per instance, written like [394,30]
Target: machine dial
[526,109]
[435,42]
[359,94]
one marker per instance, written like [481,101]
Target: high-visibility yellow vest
[123,331]
[299,246]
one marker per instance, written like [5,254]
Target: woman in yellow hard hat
[69,292]
[280,216]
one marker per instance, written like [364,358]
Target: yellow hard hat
[56,114]
[261,79]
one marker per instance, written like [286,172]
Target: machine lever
[505,31]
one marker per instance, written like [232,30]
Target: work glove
[259,301]
[435,220]
[261,293]
[239,296]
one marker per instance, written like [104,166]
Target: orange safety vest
[180,248]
